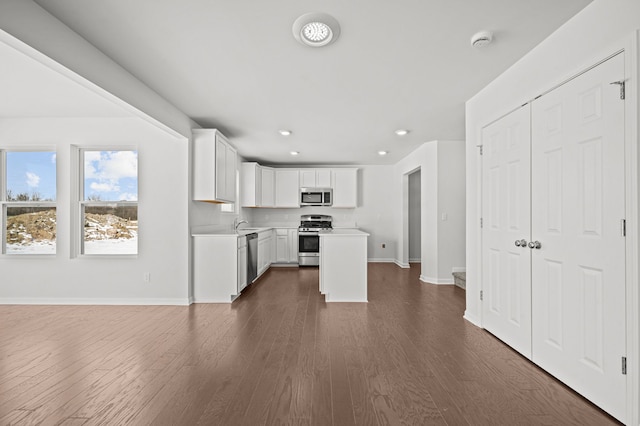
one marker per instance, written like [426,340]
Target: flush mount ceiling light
[481,39]
[383,152]
[316,29]
[294,153]
[284,132]
[401,132]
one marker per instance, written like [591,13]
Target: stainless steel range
[308,239]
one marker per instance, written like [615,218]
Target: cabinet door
[293,245]
[262,253]
[287,189]
[268,196]
[242,268]
[221,170]
[282,248]
[251,182]
[307,178]
[323,178]
[230,173]
[345,187]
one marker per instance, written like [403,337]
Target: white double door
[553,248]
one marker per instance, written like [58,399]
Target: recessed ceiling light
[294,153]
[401,132]
[383,152]
[284,132]
[316,29]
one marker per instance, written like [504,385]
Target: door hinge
[620,83]
[481,295]
[624,365]
[623,227]
[481,150]
[481,222]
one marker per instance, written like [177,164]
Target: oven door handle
[307,234]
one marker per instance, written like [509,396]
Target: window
[109,202]
[28,200]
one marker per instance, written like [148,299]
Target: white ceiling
[235,65]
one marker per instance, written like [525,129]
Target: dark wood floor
[278,355]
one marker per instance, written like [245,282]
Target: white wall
[597,31]
[414,217]
[162,212]
[374,214]
[451,207]
[159,130]
[442,189]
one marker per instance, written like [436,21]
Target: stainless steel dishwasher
[252,257]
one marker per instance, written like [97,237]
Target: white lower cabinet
[265,240]
[242,263]
[219,267]
[343,265]
[286,246]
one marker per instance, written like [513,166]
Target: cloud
[110,165]
[125,196]
[33,180]
[54,158]
[105,186]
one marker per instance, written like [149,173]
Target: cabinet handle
[535,245]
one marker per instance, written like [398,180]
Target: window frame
[78,248]
[6,204]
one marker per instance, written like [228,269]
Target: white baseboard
[402,265]
[416,260]
[458,269]
[381,260]
[101,301]
[472,319]
[437,281]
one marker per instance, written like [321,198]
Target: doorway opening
[414,221]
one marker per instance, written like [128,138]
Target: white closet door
[578,202]
[506,213]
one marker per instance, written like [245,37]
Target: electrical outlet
[384,245]
[147,277]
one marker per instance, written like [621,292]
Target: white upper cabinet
[287,188]
[345,187]
[251,185]
[214,167]
[315,178]
[268,187]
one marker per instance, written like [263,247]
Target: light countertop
[228,232]
[342,233]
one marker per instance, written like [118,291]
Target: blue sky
[32,172]
[109,175]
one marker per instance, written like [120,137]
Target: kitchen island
[343,265]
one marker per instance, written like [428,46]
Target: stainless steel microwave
[316,196]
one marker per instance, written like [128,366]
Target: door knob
[521,243]
[535,245]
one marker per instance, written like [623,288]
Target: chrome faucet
[237,223]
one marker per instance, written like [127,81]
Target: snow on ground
[113,246]
[33,247]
